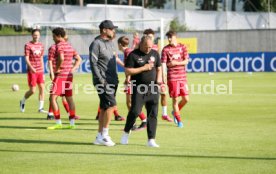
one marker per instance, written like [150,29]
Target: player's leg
[32,88]
[128,101]
[184,100]
[50,115]
[108,102]
[184,92]
[98,140]
[72,111]
[152,112]
[67,108]
[117,115]
[163,91]
[98,113]
[41,88]
[57,90]
[137,103]
[56,111]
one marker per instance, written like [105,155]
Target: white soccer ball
[15,87]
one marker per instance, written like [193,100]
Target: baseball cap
[107,24]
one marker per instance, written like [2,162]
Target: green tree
[259,5]
[176,26]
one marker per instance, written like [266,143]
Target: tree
[259,5]
[209,5]
[176,26]
[233,6]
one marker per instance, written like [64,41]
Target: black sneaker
[97,117]
[50,117]
[119,118]
[142,126]
[134,127]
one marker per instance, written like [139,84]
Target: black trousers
[138,99]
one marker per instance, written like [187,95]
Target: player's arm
[118,60]
[159,78]
[93,58]
[60,60]
[51,70]
[181,63]
[30,67]
[42,59]
[133,71]
[164,72]
[164,66]
[27,58]
[42,63]
[77,63]
[185,56]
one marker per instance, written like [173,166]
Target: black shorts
[107,95]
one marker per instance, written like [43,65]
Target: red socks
[57,115]
[142,116]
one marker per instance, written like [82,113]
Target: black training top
[103,61]
[137,59]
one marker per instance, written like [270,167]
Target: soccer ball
[15,87]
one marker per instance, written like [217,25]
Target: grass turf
[227,133]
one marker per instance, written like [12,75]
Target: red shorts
[35,78]
[62,86]
[178,88]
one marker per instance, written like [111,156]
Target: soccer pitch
[230,132]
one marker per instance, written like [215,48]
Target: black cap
[107,24]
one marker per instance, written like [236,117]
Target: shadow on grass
[41,128]
[41,142]
[21,118]
[139,154]
[20,127]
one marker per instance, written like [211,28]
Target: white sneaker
[124,139]
[42,111]
[98,140]
[152,143]
[106,140]
[22,106]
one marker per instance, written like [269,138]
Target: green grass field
[227,133]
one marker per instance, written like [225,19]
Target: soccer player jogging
[52,58]
[34,51]
[144,66]
[62,83]
[105,78]
[123,43]
[176,57]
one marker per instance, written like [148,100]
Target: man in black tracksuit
[144,66]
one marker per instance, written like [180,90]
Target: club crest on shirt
[152,59]
[37,52]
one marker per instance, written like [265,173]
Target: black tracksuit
[145,90]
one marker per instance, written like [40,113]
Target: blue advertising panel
[203,62]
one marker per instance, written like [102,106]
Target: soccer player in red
[176,57]
[136,41]
[63,81]
[52,58]
[123,43]
[34,51]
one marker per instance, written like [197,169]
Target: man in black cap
[105,78]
